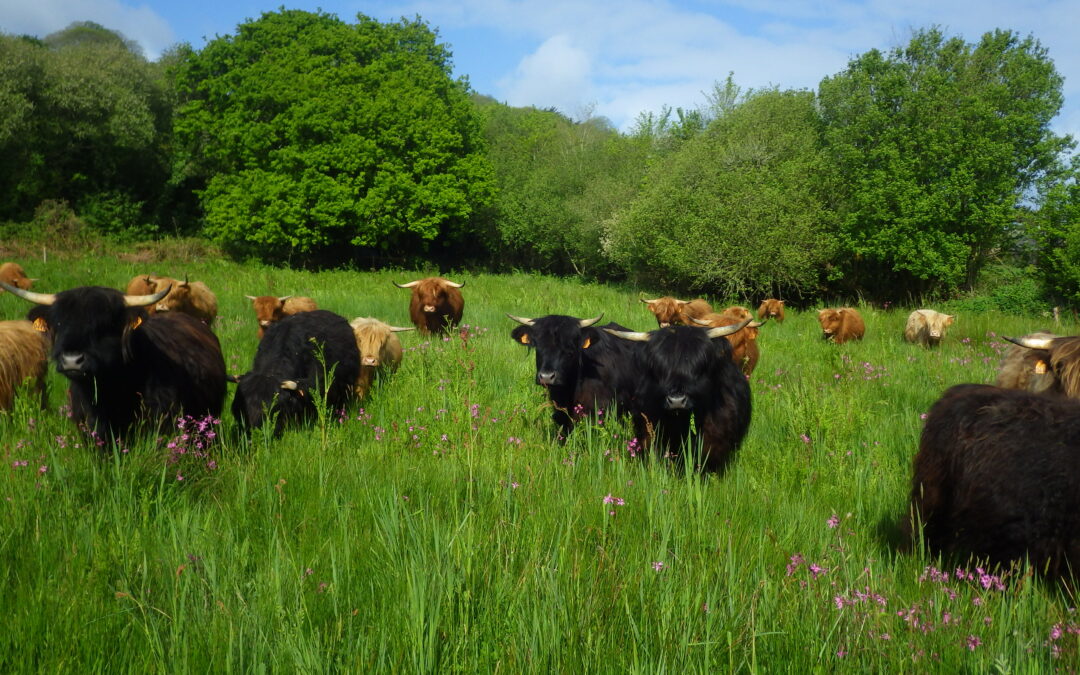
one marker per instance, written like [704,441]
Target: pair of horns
[719,331]
[414,283]
[649,302]
[50,298]
[585,323]
[282,298]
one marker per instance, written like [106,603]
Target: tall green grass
[438,526]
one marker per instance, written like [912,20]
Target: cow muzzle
[429,308]
[370,361]
[677,402]
[546,378]
[265,323]
[71,364]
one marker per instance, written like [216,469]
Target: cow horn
[399,329]
[284,298]
[451,283]
[585,323]
[758,324]
[291,385]
[522,320]
[700,322]
[37,298]
[1031,343]
[721,331]
[648,302]
[144,300]
[629,335]
[408,285]
[251,298]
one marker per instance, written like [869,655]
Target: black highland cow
[124,366]
[583,368]
[289,368]
[997,476]
[691,393]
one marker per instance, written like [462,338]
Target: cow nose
[429,308]
[371,361]
[264,323]
[71,361]
[546,378]
[678,401]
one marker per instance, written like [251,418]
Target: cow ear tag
[1040,367]
[40,325]
[524,338]
[588,341]
[136,322]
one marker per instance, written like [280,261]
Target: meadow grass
[439,527]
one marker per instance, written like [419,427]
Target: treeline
[303,139]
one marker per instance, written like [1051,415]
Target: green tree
[739,210]
[1055,227]
[86,119]
[558,181]
[318,137]
[937,143]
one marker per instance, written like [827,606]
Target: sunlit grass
[437,526]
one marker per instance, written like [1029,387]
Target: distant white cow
[927,327]
[380,351]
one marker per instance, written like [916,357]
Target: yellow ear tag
[136,323]
[524,338]
[1040,367]
[588,341]
[40,325]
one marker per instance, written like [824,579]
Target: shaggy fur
[744,343]
[841,325]
[771,308]
[192,298]
[997,476]
[270,309]
[1053,371]
[23,356]
[435,306]
[13,274]
[927,327]
[380,351]
[670,311]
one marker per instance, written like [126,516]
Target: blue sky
[616,58]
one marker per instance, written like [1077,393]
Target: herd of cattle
[997,473]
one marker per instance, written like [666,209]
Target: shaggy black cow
[124,366]
[691,393]
[584,369]
[997,476]
[290,370]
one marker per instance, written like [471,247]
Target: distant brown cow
[927,327]
[144,284]
[192,298]
[270,309]
[13,273]
[23,356]
[841,325]
[671,311]
[436,305]
[380,351]
[744,345]
[1042,363]
[771,308]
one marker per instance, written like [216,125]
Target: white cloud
[41,17]
[556,74]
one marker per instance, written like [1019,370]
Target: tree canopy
[315,136]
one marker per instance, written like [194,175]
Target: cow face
[682,362]
[268,308]
[668,310]
[559,342]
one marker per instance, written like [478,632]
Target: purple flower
[657,565]
[973,641]
[833,521]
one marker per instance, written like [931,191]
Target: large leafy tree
[315,137]
[558,181]
[86,119]
[739,209]
[1055,227]
[937,143]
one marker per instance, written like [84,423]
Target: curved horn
[757,324]
[721,331]
[451,283]
[144,300]
[251,298]
[700,322]
[1029,342]
[398,329]
[36,298]
[284,298]
[585,323]
[408,285]
[629,335]
[291,385]
[648,302]
[522,320]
